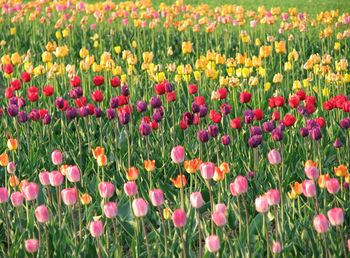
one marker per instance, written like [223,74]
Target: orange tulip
[13,181]
[265,51]
[63,169]
[191,166]
[102,160]
[177,181]
[85,198]
[295,191]
[98,151]
[4,159]
[280,47]
[22,184]
[322,180]
[341,170]
[132,174]
[12,144]
[218,174]
[310,163]
[225,167]
[150,165]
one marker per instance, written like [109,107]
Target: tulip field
[176,129]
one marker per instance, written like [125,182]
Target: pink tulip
[178,154]
[57,157]
[336,216]
[157,197]
[276,247]
[130,188]
[179,218]
[220,207]
[11,167]
[17,199]
[30,191]
[274,157]
[110,209]
[349,245]
[311,172]
[31,245]
[219,218]
[139,207]
[207,170]
[44,178]
[69,196]
[333,185]
[106,189]
[321,223]
[309,188]
[73,174]
[239,186]
[56,178]
[261,204]
[212,243]
[96,228]
[42,214]
[273,197]
[196,200]
[4,195]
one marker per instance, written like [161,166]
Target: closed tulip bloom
[69,196]
[276,247]
[30,191]
[273,197]
[239,186]
[207,170]
[31,245]
[16,199]
[44,178]
[130,188]
[96,228]
[261,204]
[336,216]
[179,218]
[11,167]
[212,243]
[110,209]
[56,178]
[219,218]
[220,207]
[333,185]
[156,196]
[106,189]
[178,154]
[274,157]
[42,214]
[4,195]
[311,172]
[309,188]
[139,207]
[57,157]
[73,174]
[321,223]
[196,200]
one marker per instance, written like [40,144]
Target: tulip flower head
[179,218]
[178,154]
[212,243]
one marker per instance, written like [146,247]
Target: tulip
[57,157]
[273,197]
[44,178]
[196,200]
[130,188]
[4,195]
[239,186]
[56,178]
[16,199]
[261,204]
[336,216]
[96,228]
[274,157]
[219,218]
[179,218]
[321,223]
[156,196]
[139,207]
[333,185]
[69,196]
[276,247]
[178,154]
[106,189]
[220,207]
[73,174]
[11,167]
[31,245]
[30,191]
[212,243]
[207,170]
[311,172]
[309,188]
[110,209]
[42,214]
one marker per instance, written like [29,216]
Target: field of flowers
[173,130]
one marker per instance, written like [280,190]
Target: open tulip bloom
[184,129]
